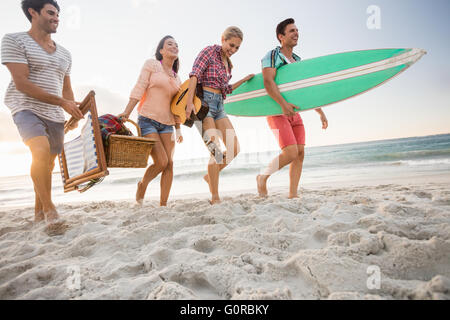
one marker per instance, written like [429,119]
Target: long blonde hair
[232,32]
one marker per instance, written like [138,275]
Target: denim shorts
[31,126]
[149,126]
[215,104]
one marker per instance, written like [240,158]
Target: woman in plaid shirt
[212,70]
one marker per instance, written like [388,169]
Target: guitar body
[179,104]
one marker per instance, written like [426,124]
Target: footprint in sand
[56,229]
[204,246]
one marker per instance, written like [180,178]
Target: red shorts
[289,130]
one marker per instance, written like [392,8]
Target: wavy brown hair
[159,57]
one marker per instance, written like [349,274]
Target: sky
[111,40]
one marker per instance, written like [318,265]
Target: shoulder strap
[296,57]
[273,58]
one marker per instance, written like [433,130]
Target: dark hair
[159,57]
[37,6]
[281,28]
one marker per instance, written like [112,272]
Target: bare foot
[55,226]
[51,216]
[140,193]
[39,217]
[163,204]
[294,196]
[261,182]
[215,201]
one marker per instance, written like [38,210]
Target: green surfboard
[318,82]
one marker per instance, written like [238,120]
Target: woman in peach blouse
[158,83]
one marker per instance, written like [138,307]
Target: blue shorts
[215,104]
[31,126]
[149,126]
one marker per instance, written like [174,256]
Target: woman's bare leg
[159,164]
[209,127]
[230,140]
[168,141]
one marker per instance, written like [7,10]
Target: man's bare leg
[261,182]
[295,172]
[288,154]
[38,210]
[41,176]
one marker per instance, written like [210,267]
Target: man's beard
[48,29]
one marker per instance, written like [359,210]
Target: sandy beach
[379,241]
[370,156]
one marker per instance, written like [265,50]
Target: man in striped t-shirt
[39,92]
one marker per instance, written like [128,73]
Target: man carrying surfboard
[288,127]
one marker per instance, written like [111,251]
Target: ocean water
[387,160]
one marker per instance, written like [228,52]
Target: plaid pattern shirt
[110,124]
[210,70]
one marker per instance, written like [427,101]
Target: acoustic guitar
[179,105]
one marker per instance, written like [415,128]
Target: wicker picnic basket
[128,151]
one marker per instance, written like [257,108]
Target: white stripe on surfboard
[407,57]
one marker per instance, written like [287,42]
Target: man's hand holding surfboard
[289,109]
